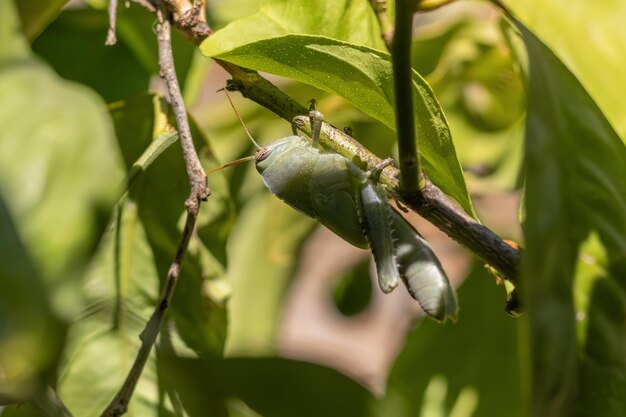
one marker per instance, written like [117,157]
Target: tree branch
[199,192]
[197,177]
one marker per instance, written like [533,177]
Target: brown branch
[189,18]
[197,177]
[199,192]
[111,36]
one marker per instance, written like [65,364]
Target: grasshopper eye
[262,153]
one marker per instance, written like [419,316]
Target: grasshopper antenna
[230,164]
[240,119]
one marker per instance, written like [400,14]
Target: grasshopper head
[267,155]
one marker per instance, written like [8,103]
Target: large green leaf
[59,176]
[348,20]
[576,165]
[362,76]
[477,378]
[565,25]
[31,335]
[120,290]
[59,170]
[273,387]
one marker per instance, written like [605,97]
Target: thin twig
[111,36]
[197,177]
[403,91]
[199,191]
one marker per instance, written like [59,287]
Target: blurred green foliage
[84,250]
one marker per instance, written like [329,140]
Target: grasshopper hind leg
[376,225]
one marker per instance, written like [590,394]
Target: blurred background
[270,289]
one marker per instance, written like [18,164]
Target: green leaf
[273,387]
[59,176]
[352,21]
[37,14]
[121,288]
[438,369]
[364,77]
[575,166]
[564,26]
[31,335]
[59,168]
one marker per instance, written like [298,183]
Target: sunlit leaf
[59,176]
[59,214]
[565,25]
[351,21]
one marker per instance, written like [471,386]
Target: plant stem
[403,90]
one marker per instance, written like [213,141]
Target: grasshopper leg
[376,225]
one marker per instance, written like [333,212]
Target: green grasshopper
[348,201]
